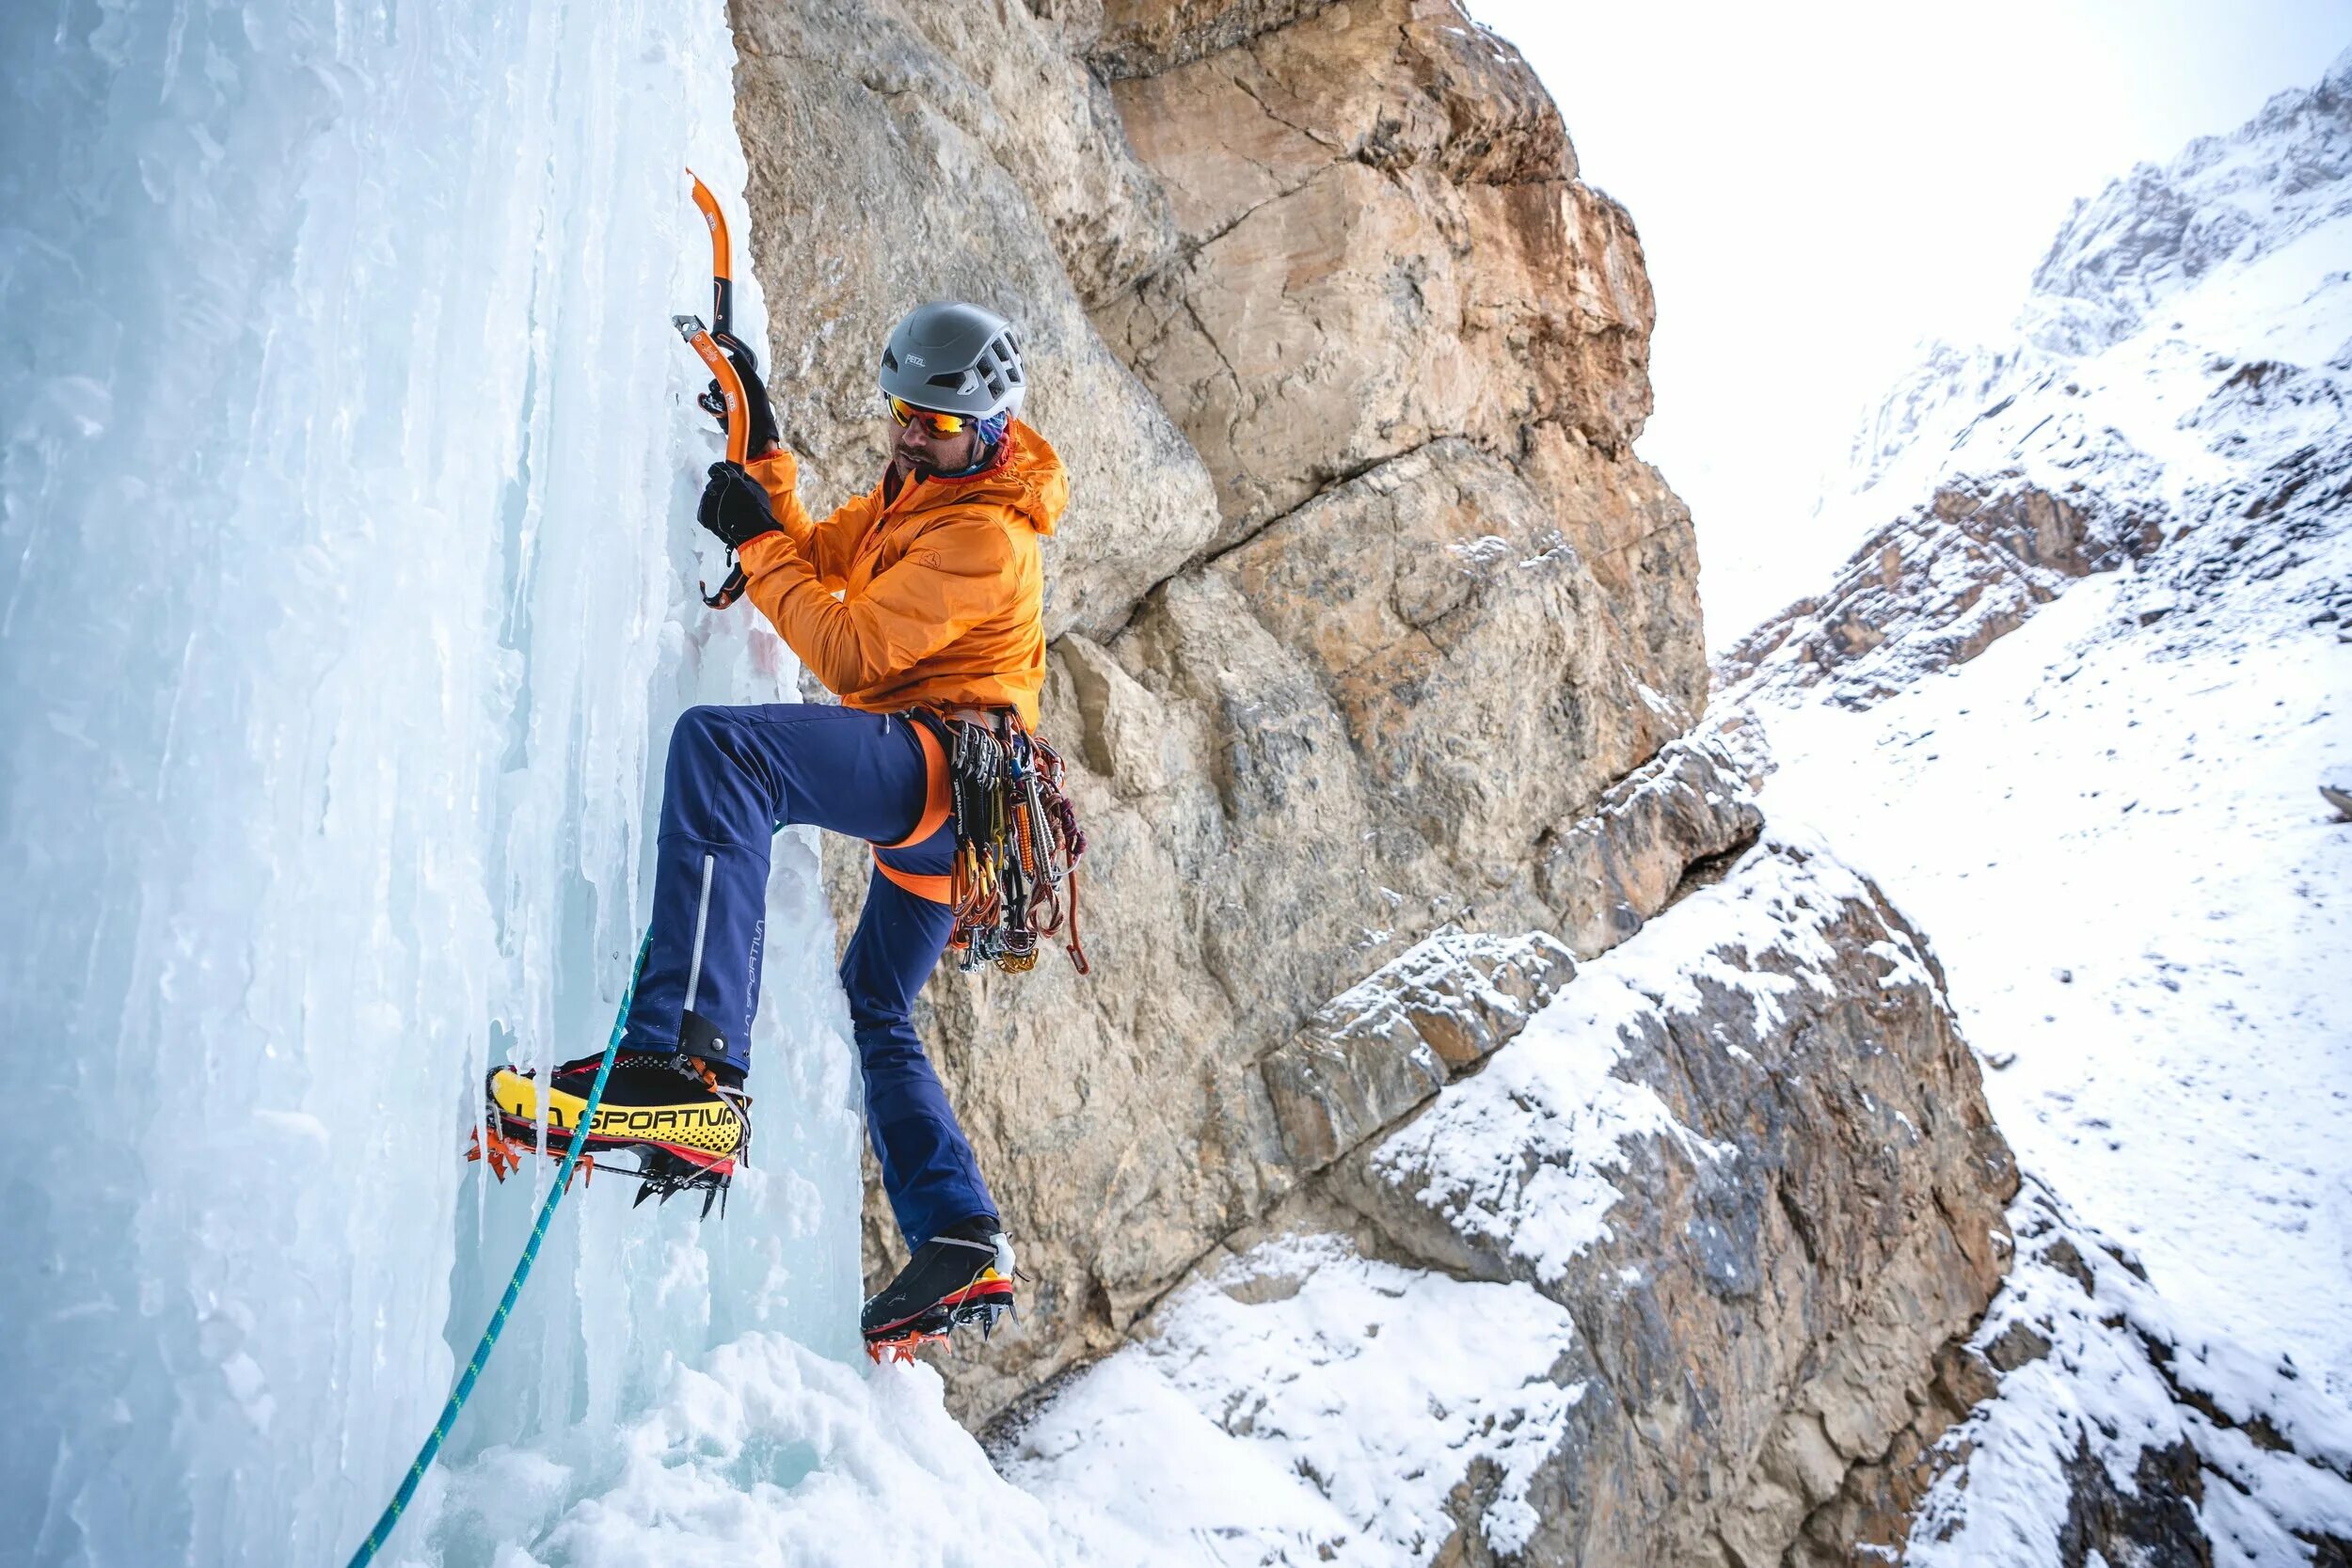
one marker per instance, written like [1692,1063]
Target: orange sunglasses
[935,421]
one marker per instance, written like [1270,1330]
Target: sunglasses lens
[938,425]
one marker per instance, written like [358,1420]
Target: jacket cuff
[778,470]
[779,474]
[764,553]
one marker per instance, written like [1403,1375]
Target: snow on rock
[1519,1162]
[1371,1055]
[2116,1430]
[2144,918]
[1621,862]
[1304,1404]
[1747,1149]
[2187,334]
[2111,822]
[1643,1289]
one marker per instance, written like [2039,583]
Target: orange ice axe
[698,338]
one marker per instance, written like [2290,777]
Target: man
[939,608]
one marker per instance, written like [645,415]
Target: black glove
[734,506]
[762,419]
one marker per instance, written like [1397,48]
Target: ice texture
[346,600]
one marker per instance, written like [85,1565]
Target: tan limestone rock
[1373,1052]
[1386,243]
[1940,585]
[1137,38]
[886,171]
[1368,626]
[1609,872]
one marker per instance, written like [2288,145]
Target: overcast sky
[1820,186]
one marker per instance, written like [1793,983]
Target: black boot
[961,1275]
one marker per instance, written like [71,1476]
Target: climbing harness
[1018,843]
[466,1380]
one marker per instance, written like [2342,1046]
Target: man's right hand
[765,437]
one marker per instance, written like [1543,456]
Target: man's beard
[903,463]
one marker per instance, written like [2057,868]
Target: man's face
[928,454]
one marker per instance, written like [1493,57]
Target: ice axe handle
[738,435]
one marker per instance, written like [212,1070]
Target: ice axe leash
[730,407]
[472,1374]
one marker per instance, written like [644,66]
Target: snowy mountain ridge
[2224,203]
[2187,341]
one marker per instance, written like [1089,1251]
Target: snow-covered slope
[2108,819]
[2190,331]
[1661,1281]
[2144,908]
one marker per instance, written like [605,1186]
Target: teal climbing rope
[472,1374]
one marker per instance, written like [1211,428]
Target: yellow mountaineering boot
[687,1120]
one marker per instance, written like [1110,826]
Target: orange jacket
[941,589]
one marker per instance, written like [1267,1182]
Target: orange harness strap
[935,804]
[940,889]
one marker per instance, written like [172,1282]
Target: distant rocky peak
[2182,348]
[2162,227]
[2224,203]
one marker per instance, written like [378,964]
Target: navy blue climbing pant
[736,774]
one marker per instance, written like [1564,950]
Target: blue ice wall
[346,571]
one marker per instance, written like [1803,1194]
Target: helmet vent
[955,358]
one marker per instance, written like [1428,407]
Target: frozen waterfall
[347,601]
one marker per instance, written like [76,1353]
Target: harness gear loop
[1017,837]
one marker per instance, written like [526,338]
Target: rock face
[1739,1183]
[1765,1278]
[2099,1430]
[1939,586]
[1374,655]
[1363,604]
[891,164]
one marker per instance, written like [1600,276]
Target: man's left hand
[735,507]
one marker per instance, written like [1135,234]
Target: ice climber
[939,609]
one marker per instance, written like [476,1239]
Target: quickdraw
[1018,844]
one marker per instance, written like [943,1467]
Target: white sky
[1820,187]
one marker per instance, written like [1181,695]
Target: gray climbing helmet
[954,358]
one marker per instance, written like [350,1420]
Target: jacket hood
[1028,480]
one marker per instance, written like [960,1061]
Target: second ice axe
[730,406]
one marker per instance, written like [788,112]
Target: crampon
[900,1344]
[658,1173]
[681,1132]
[953,1281]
